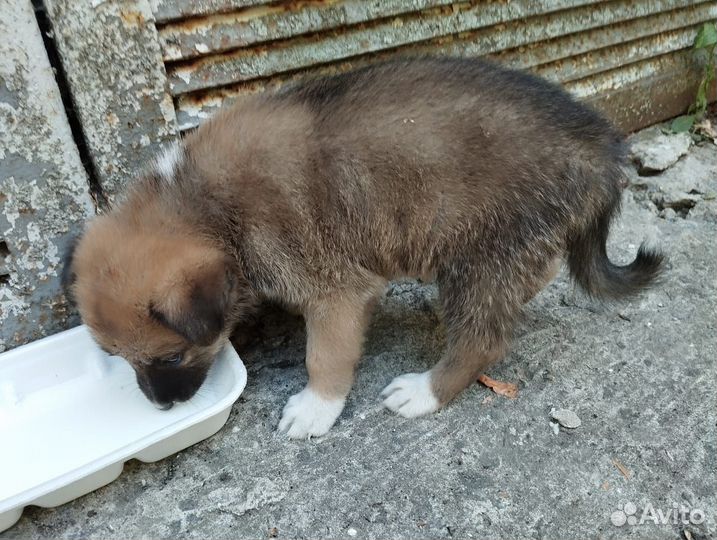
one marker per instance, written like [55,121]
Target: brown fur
[459,170]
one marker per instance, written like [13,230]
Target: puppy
[456,170]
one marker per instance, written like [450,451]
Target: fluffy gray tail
[591,268]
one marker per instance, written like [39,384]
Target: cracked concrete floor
[640,375]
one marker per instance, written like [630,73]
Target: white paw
[307,415]
[411,395]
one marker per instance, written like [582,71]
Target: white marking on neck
[166,163]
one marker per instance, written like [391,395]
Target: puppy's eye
[173,360]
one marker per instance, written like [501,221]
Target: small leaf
[682,123]
[705,130]
[707,36]
[506,389]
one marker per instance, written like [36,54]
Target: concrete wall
[110,54]
[43,187]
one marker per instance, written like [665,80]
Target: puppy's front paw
[411,395]
[307,415]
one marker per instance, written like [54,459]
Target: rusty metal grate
[217,50]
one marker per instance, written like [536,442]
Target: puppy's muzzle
[166,386]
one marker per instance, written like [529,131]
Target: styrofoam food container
[70,416]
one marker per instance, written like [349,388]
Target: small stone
[352,532]
[566,418]
[655,151]
[555,427]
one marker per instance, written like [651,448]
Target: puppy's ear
[195,304]
[68,276]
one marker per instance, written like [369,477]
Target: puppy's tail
[593,271]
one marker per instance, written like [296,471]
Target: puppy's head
[162,298]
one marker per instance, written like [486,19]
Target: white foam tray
[70,416]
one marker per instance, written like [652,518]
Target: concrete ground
[640,375]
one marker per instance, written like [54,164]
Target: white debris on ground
[566,418]
[653,150]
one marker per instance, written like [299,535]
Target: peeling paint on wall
[43,188]
[187,39]
[177,9]
[111,57]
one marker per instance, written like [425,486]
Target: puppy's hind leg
[335,333]
[479,319]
